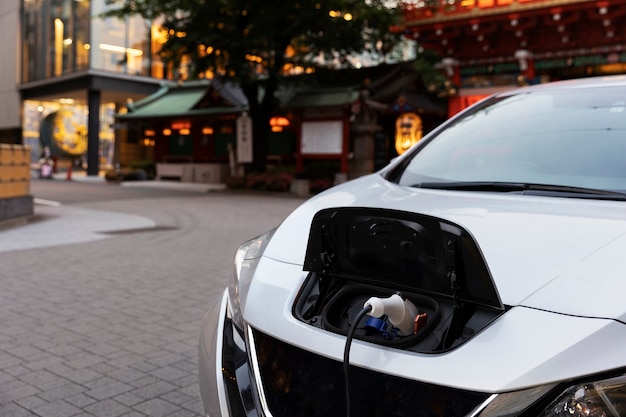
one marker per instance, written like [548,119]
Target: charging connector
[400,312]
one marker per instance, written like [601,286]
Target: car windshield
[569,138]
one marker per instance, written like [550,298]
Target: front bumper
[224,377]
[255,374]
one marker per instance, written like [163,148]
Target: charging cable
[346,353]
[400,312]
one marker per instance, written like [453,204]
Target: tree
[257,42]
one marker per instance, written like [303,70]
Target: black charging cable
[346,354]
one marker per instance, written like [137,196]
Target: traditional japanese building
[186,129]
[487,45]
[347,121]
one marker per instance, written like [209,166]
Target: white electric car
[482,273]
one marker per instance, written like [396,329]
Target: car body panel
[528,242]
[209,349]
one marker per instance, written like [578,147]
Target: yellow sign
[408,131]
[69,135]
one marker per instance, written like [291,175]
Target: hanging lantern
[408,131]
[278,123]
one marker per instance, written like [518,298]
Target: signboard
[324,137]
[244,139]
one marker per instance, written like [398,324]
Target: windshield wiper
[527,189]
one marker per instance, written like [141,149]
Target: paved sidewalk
[55,225]
[82,225]
[102,300]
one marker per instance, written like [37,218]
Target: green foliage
[278,179]
[434,79]
[222,35]
[275,179]
[149,167]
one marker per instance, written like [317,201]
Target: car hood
[556,254]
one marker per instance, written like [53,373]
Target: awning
[176,102]
[173,101]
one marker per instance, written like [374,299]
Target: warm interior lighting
[185,132]
[167,132]
[181,125]
[254,58]
[278,123]
[120,49]
[59,28]
[149,132]
[207,130]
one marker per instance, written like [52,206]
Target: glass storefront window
[64,36]
[81,31]
[63,127]
[121,46]
[32,24]
[56,38]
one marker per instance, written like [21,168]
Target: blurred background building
[66,72]
[489,45]
[68,77]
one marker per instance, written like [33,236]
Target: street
[102,297]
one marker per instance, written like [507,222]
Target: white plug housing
[400,312]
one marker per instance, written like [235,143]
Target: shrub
[271,180]
[320,176]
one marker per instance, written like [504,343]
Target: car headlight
[246,260]
[605,398]
[602,398]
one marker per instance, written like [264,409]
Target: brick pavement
[106,324]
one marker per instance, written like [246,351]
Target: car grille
[299,383]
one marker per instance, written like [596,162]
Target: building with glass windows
[67,71]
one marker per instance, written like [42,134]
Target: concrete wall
[10,65]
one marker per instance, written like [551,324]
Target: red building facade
[487,45]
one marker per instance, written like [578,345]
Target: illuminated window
[58,46]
